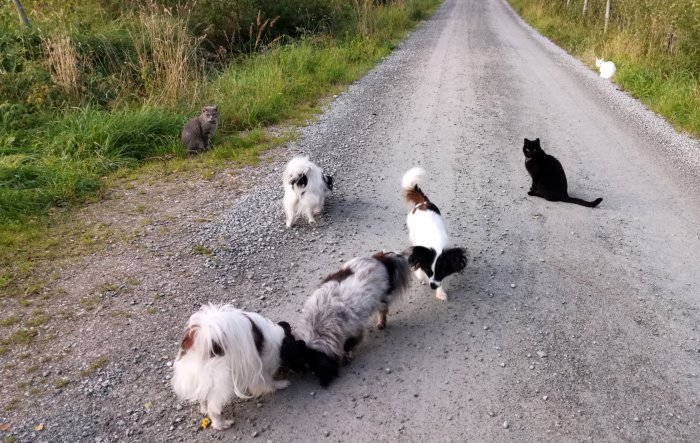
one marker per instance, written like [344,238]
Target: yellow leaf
[205,422]
[148,405]
[39,427]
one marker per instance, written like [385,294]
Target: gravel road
[568,324]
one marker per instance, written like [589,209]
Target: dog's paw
[281,384]
[440,294]
[221,424]
[260,390]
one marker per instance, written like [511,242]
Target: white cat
[607,69]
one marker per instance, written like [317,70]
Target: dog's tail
[399,272]
[296,173]
[218,332]
[412,193]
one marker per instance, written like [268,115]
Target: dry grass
[63,63]
[168,57]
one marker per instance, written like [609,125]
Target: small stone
[512,285]
[387,370]
[545,397]
[486,328]
[255,434]
[506,424]
[542,354]
[491,414]
[327,433]
[636,419]
[503,365]
[312,393]
[532,367]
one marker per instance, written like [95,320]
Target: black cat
[548,178]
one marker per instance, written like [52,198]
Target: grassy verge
[654,45]
[59,150]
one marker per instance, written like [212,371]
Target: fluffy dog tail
[399,271]
[410,182]
[217,338]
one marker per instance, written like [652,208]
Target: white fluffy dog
[305,189]
[226,352]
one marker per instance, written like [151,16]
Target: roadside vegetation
[654,43]
[94,90]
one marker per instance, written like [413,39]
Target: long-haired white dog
[336,315]
[430,257]
[226,352]
[305,189]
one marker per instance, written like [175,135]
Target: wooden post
[22,16]
[607,15]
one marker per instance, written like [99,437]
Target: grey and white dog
[336,314]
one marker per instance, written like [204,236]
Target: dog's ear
[452,260]
[287,329]
[421,257]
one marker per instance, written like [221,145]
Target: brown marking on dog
[187,340]
[339,276]
[414,196]
[258,338]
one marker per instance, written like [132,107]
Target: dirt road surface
[569,323]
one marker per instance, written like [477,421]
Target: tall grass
[654,43]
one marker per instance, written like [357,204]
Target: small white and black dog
[426,229]
[336,314]
[305,189]
[226,352]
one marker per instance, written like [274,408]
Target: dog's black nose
[433,285]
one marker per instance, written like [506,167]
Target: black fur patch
[449,262]
[329,181]
[301,181]
[293,354]
[338,276]
[325,367]
[351,342]
[216,350]
[257,336]
[422,258]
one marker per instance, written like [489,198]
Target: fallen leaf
[39,427]
[148,405]
[205,422]
[5,426]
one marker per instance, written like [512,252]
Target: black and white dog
[336,314]
[430,257]
[226,352]
[305,189]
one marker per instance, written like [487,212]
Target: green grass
[666,79]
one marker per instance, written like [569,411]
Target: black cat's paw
[531,192]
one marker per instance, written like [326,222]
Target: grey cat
[197,133]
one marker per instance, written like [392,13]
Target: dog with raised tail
[305,190]
[430,258]
[227,352]
[336,315]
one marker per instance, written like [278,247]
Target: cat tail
[581,202]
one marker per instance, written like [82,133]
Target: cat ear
[537,140]
[527,141]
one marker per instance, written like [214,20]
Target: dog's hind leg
[203,406]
